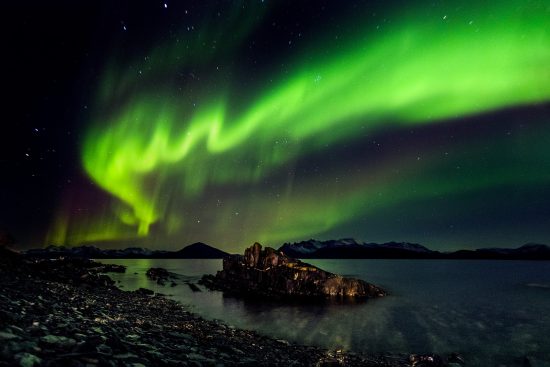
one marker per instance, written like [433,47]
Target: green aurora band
[161,159]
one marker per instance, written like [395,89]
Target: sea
[494,313]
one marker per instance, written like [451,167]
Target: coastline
[60,315]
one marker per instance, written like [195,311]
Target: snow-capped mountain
[350,248]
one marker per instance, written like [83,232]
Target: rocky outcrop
[162,276]
[270,273]
[159,275]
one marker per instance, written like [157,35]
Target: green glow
[152,148]
[366,193]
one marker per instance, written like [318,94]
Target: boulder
[160,275]
[270,273]
[144,292]
[112,268]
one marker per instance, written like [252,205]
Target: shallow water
[493,312]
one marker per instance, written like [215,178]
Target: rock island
[270,273]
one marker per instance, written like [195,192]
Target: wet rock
[270,273]
[113,268]
[180,335]
[428,360]
[160,275]
[79,336]
[455,359]
[125,356]
[104,280]
[27,345]
[105,349]
[144,291]
[58,341]
[4,336]
[196,357]
[27,360]
[194,287]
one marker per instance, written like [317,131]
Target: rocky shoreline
[67,313]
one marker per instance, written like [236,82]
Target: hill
[194,251]
[200,250]
[351,249]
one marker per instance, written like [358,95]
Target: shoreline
[59,314]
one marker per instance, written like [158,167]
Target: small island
[269,273]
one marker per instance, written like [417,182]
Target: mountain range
[349,248]
[197,250]
[346,248]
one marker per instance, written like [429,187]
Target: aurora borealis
[272,122]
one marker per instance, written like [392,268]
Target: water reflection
[482,309]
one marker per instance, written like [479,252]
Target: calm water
[493,312]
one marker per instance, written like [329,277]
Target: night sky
[159,124]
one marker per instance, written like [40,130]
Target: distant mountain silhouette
[348,248]
[195,251]
[200,250]
[530,251]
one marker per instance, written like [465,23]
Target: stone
[4,336]
[428,360]
[27,345]
[157,273]
[79,336]
[124,356]
[178,335]
[112,268]
[145,291]
[196,357]
[16,329]
[105,349]
[132,336]
[59,341]
[154,354]
[194,287]
[456,359]
[27,360]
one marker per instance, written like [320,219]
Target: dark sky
[159,124]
